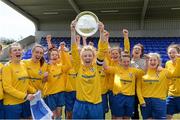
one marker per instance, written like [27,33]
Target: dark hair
[50,51]
[42,60]
[1,47]
[142,49]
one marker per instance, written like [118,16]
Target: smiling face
[153,61]
[87,57]
[15,52]
[172,53]
[137,51]
[125,61]
[115,55]
[54,55]
[37,53]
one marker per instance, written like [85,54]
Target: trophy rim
[86,13]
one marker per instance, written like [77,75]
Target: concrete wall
[26,43]
[152,28]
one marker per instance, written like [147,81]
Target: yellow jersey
[71,80]
[36,74]
[56,76]
[124,79]
[110,77]
[15,83]
[1,88]
[88,83]
[174,89]
[153,85]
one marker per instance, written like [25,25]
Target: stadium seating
[151,44]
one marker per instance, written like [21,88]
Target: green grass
[177,116]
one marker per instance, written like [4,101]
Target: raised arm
[126,41]
[65,59]
[74,48]
[84,40]
[78,40]
[48,38]
[102,45]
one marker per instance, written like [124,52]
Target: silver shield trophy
[87,23]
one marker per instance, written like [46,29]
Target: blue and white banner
[39,110]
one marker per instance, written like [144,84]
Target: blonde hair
[118,49]
[14,45]
[157,56]
[37,45]
[88,48]
[175,46]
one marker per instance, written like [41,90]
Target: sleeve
[127,45]
[75,57]
[139,86]
[177,68]
[102,50]
[169,76]
[49,45]
[111,69]
[7,84]
[108,56]
[166,64]
[31,89]
[66,64]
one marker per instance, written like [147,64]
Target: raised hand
[30,97]
[101,30]
[125,32]
[73,25]
[73,32]
[101,27]
[48,38]
[106,35]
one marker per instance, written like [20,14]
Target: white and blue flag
[39,110]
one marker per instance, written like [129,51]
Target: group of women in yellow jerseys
[87,81]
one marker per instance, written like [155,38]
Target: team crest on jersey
[157,74]
[28,68]
[40,72]
[131,75]
[92,69]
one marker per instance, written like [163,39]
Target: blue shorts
[19,111]
[1,109]
[173,105]
[123,105]
[70,98]
[155,108]
[105,103]
[110,94]
[86,110]
[55,100]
